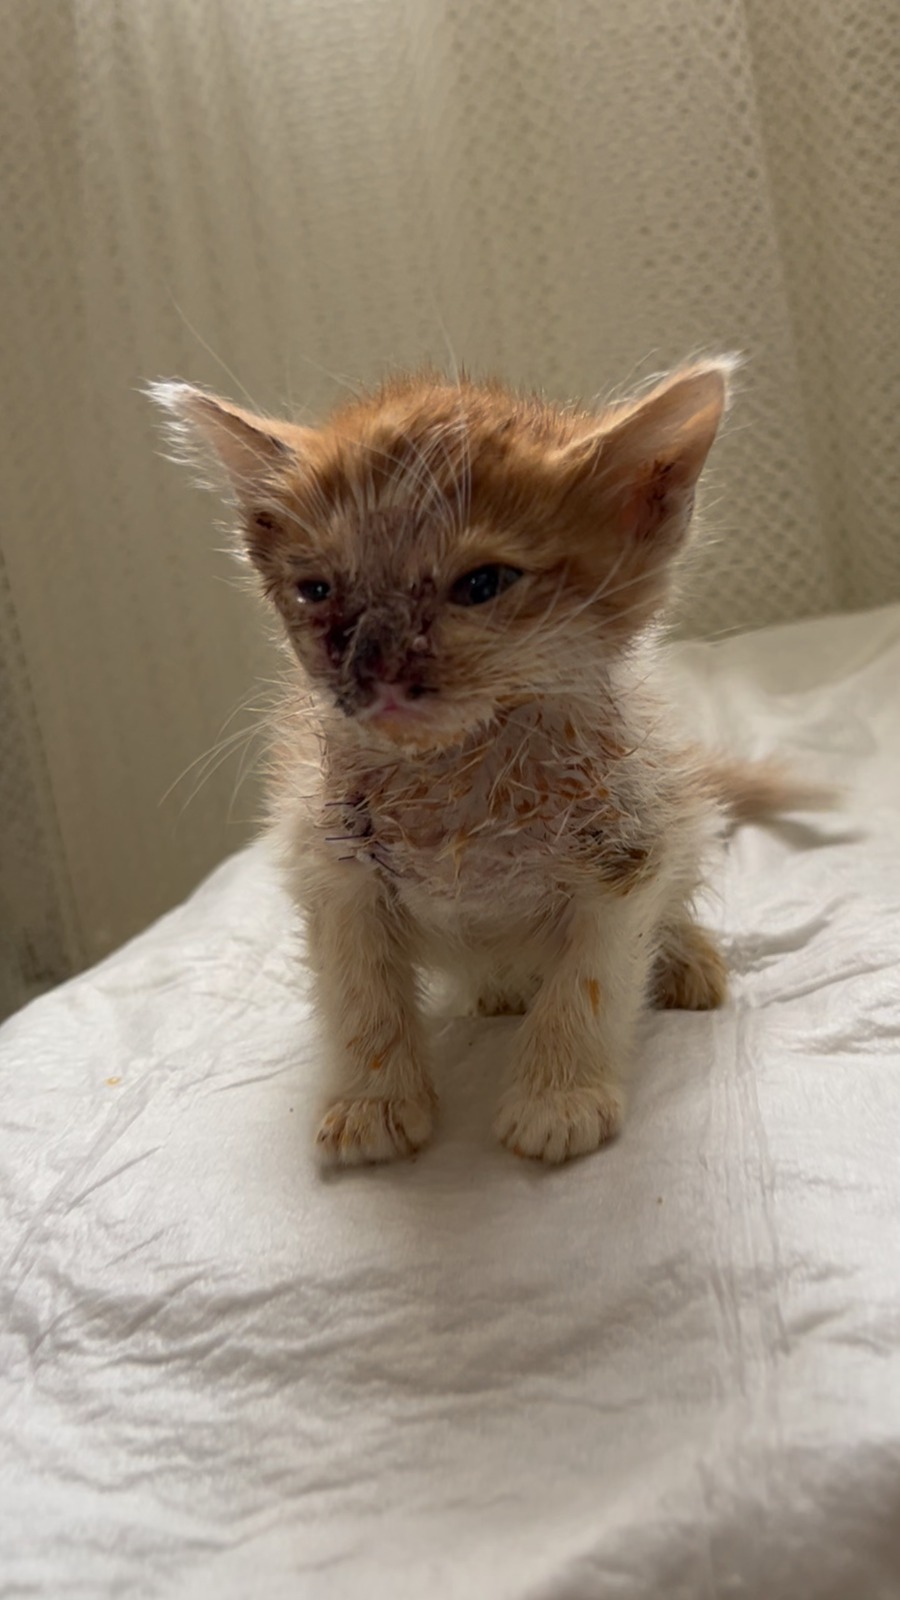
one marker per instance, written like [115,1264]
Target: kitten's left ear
[250,452]
[644,467]
[634,478]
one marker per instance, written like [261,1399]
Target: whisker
[229,372]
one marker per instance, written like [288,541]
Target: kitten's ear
[645,466]
[250,452]
[636,476]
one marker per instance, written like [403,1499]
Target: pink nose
[388,697]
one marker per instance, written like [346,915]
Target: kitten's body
[470,584]
[559,833]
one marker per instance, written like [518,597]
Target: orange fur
[593,994]
[751,791]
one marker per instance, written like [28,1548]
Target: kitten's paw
[555,1124]
[356,1131]
[691,973]
[502,1003]
[505,995]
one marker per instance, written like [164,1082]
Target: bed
[669,1370]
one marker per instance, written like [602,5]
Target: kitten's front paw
[502,1003]
[356,1131]
[555,1124]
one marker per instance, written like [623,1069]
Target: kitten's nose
[383,664]
[367,662]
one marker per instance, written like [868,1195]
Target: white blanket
[668,1370]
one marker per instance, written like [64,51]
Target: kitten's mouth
[394,710]
[393,704]
[413,716]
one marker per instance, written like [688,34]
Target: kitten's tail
[751,791]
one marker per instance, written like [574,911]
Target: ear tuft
[247,450]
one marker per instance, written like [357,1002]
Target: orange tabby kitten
[469,581]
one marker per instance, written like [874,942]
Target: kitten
[470,582]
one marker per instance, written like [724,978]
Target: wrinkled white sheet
[670,1370]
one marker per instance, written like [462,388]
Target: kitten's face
[439,553]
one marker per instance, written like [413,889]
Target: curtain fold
[280,198]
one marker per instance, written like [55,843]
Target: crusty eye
[482,584]
[312,591]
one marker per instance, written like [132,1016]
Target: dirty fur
[471,583]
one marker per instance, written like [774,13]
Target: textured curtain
[281,196]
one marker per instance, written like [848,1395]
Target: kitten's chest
[490,828]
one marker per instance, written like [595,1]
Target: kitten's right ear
[249,452]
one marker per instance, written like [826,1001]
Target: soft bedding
[668,1370]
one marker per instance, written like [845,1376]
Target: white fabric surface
[671,1369]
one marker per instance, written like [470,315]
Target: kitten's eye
[312,591]
[484,583]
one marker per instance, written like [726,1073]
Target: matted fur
[496,790]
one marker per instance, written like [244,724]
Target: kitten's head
[440,551]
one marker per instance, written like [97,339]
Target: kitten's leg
[566,1098]
[360,947]
[690,973]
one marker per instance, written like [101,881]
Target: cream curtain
[277,196]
